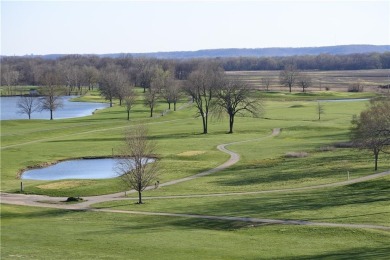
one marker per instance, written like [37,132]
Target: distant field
[338,80]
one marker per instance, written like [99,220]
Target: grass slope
[30,233]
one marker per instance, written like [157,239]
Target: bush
[356,88]
[73,199]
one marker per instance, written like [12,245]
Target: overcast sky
[47,27]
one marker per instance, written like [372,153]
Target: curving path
[55,202]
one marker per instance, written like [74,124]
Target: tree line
[80,69]
[205,83]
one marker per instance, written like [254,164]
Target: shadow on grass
[362,253]
[330,166]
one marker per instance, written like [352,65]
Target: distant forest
[25,70]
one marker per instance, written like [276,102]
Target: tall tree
[172,93]
[288,76]
[202,85]
[304,81]
[235,97]
[91,76]
[129,99]
[27,105]
[372,129]
[51,92]
[111,82]
[9,77]
[151,97]
[136,167]
[266,82]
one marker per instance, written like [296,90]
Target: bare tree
[288,76]
[27,105]
[129,99]
[372,129]
[51,92]
[172,93]
[320,109]
[151,97]
[9,77]
[136,167]
[234,98]
[202,85]
[91,76]
[304,81]
[266,82]
[112,80]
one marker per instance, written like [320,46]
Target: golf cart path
[55,202]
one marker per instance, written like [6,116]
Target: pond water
[75,169]
[9,110]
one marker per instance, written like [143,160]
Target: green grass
[362,203]
[183,151]
[28,143]
[49,233]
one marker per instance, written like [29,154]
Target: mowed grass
[59,234]
[360,203]
[30,143]
[49,233]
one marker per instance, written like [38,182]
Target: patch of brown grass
[191,153]
[62,185]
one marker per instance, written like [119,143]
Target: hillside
[257,52]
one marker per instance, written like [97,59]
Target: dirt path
[55,202]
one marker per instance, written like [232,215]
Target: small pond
[75,169]
[9,110]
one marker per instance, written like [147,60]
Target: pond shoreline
[47,164]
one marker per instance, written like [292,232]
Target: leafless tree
[51,92]
[372,129]
[151,97]
[9,77]
[202,85]
[320,109]
[144,72]
[288,76]
[266,82]
[91,76]
[129,99]
[27,105]
[172,93]
[111,81]
[304,81]
[136,167]
[235,97]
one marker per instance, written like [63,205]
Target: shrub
[356,88]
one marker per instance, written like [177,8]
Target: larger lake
[9,110]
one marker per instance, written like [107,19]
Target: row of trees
[290,77]
[81,70]
[310,62]
[211,91]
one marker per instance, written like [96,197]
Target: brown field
[338,80]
